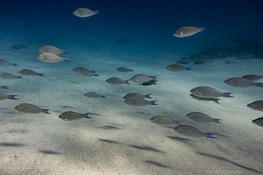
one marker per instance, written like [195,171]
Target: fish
[70,115]
[253,77]
[11,97]
[191,131]
[216,100]
[30,72]
[156,164]
[84,71]
[146,148]
[141,78]
[93,95]
[30,108]
[137,95]
[177,68]
[201,117]
[6,63]
[116,81]
[124,69]
[256,105]
[3,87]
[51,58]
[7,75]
[160,119]
[149,83]
[139,102]
[187,31]
[51,49]
[84,12]
[208,92]
[241,82]
[258,121]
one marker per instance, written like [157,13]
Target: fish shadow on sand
[109,127]
[229,161]
[11,144]
[109,141]
[50,152]
[146,148]
[152,162]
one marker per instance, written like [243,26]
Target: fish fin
[65,52]
[178,122]
[40,74]
[13,97]
[14,64]
[4,87]
[46,111]
[154,102]
[67,59]
[148,96]
[217,120]
[210,135]
[216,100]
[127,81]
[259,84]
[228,94]
[188,68]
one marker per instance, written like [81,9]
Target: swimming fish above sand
[177,68]
[253,77]
[208,92]
[163,120]
[51,58]
[3,87]
[7,75]
[93,95]
[51,49]
[6,63]
[241,82]
[4,97]
[256,105]
[201,117]
[187,31]
[116,81]
[258,121]
[30,108]
[84,12]
[137,95]
[84,71]
[149,83]
[141,78]
[216,100]
[30,72]
[139,102]
[70,115]
[124,69]
[191,131]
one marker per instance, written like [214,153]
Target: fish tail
[40,74]
[217,120]
[3,87]
[65,52]
[154,102]
[259,84]
[127,81]
[148,96]
[188,68]
[210,135]
[154,77]
[202,29]
[216,100]
[228,94]
[178,122]
[87,115]
[13,97]
[67,59]
[46,111]
[14,64]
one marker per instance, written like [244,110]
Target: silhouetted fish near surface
[149,83]
[241,82]
[137,95]
[179,139]
[51,49]
[160,119]
[146,148]
[187,31]
[191,131]
[139,102]
[4,97]
[141,78]
[84,71]
[30,72]
[201,117]
[177,68]
[84,12]
[216,100]
[256,105]
[93,95]
[3,87]
[7,75]
[124,69]
[70,115]
[11,144]
[51,58]
[30,108]
[116,81]
[156,163]
[49,152]
[6,63]
[253,77]
[109,141]
[258,121]
[208,92]
[109,127]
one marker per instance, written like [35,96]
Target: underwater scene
[131,87]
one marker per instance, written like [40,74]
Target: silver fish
[51,58]
[84,12]
[191,131]
[187,31]
[258,121]
[177,68]
[30,72]
[70,115]
[201,117]
[256,105]
[208,92]
[124,69]
[116,81]
[163,120]
[4,97]
[139,102]
[137,95]
[93,95]
[51,49]
[84,71]
[141,78]
[216,100]
[253,77]
[7,75]
[6,63]
[241,82]
[30,108]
